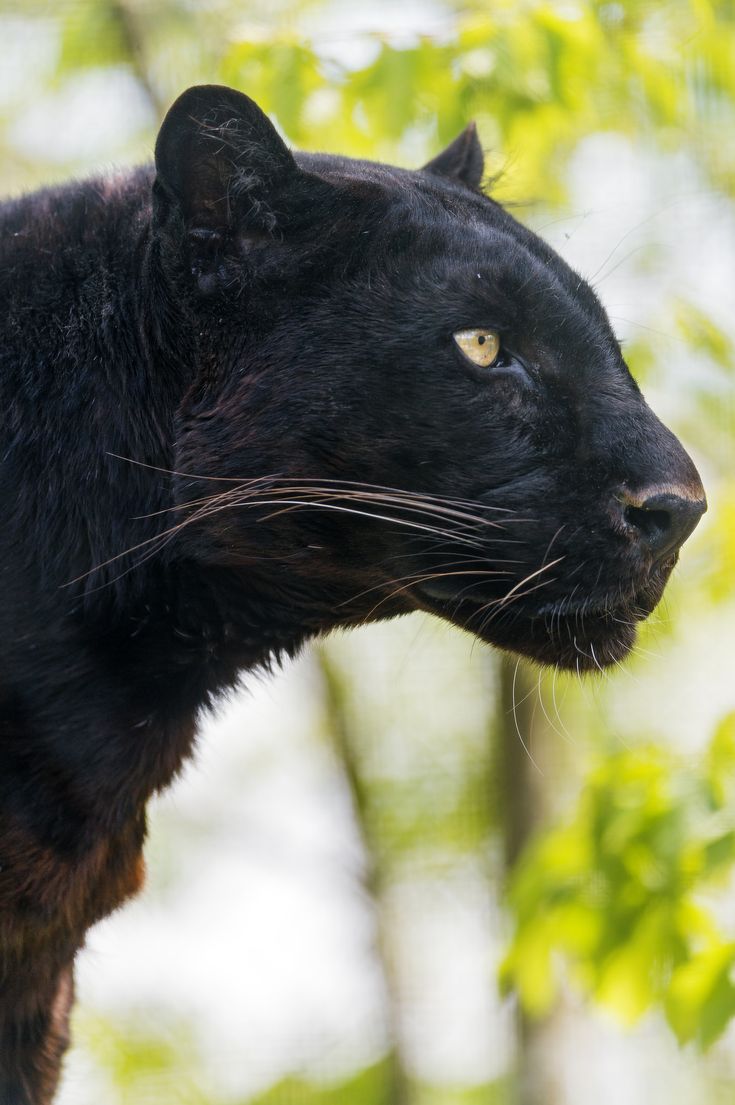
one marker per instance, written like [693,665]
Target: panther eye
[479,346]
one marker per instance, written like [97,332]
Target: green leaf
[701,997]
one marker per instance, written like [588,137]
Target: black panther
[250,395]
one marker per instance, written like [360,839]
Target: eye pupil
[481,339]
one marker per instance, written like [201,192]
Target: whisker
[309,480]
[166,535]
[526,749]
[554,700]
[286,494]
[316,504]
[582,652]
[564,734]
[502,607]
[532,575]
[419,578]
[204,499]
[514,590]
[413,579]
[388,500]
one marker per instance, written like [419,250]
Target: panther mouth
[588,634]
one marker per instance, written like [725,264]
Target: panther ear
[462,160]
[219,159]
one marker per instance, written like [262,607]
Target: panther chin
[589,635]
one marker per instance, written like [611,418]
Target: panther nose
[661,520]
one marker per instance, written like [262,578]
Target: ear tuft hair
[462,160]
[218,158]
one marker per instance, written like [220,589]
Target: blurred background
[406,871]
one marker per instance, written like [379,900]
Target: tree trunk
[527,753]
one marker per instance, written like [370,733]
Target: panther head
[404,399]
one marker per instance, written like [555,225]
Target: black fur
[241,313]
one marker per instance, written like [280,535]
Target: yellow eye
[479,346]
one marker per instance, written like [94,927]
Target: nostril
[652,524]
[661,521]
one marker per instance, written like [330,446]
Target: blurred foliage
[537,75]
[374,1086]
[616,898]
[138,1060]
[369,1087]
[616,892]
